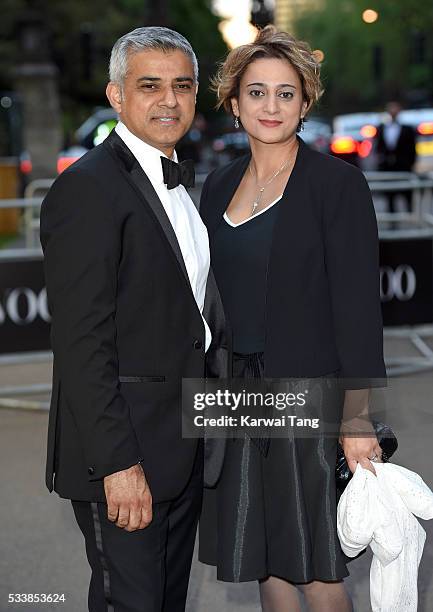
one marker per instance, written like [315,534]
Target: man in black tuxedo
[127,262]
[395,146]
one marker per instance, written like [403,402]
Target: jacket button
[90,471]
[198,344]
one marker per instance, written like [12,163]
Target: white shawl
[379,511]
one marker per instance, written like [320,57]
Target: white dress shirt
[190,230]
[391,134]
[379,511]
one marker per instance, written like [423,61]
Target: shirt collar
[147,156]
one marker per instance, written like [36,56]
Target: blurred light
[227,9]
[364,148]
[368,131]
[370,16]
[319,55]
[218,145]
[426,127]
[343,144]
[194,135]
[6,102]
[424,148]
[26,165]
[65,162]
[102,131]
[237,32]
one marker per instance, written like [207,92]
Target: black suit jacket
[402,158]
[125,329]
[323,312]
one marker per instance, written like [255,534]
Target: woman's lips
[270,123]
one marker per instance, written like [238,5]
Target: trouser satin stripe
[102,557]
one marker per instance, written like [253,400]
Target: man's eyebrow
[148,78]
[180,79]
[280,85]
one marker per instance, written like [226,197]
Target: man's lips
[166,119]
[270,122]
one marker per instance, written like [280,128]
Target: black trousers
[392,197]
[146,570]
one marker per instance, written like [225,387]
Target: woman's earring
[301,125]
[237,124]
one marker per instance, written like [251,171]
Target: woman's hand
[360,448]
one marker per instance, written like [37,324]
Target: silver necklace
[258,199]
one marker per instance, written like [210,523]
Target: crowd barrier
[406,268]
[24,320]
[24,316]
[406,280]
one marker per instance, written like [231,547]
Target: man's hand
[129,499]
[360,448]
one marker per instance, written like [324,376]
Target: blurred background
[53,71]
[376,113]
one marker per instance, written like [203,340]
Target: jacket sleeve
[82,247]
[352,263]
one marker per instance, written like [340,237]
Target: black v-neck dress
[273,512]
[240,256]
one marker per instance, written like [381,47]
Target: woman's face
[270,101]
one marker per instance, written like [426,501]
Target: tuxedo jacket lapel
[142,183]
[218,358]
[145,186]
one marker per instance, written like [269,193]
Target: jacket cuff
[99,471]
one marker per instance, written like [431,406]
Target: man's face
[393,109]
[157,102]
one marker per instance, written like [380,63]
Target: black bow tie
[178,174]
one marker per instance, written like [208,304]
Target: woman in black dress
[294,251]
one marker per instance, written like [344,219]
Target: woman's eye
[287,95]
[256,93]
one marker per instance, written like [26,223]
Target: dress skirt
[273,513]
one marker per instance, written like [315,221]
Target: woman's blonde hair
[273,44]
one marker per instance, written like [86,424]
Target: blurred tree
[82,34]
[367,64]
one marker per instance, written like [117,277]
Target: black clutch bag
[387,442]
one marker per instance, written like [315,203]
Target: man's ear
[114,95]
[235,107]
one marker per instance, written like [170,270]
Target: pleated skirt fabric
[274,513]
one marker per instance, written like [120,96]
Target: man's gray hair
[142,39]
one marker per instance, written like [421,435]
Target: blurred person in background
[126,263]
[191,145]
[294,249]
[395,147]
